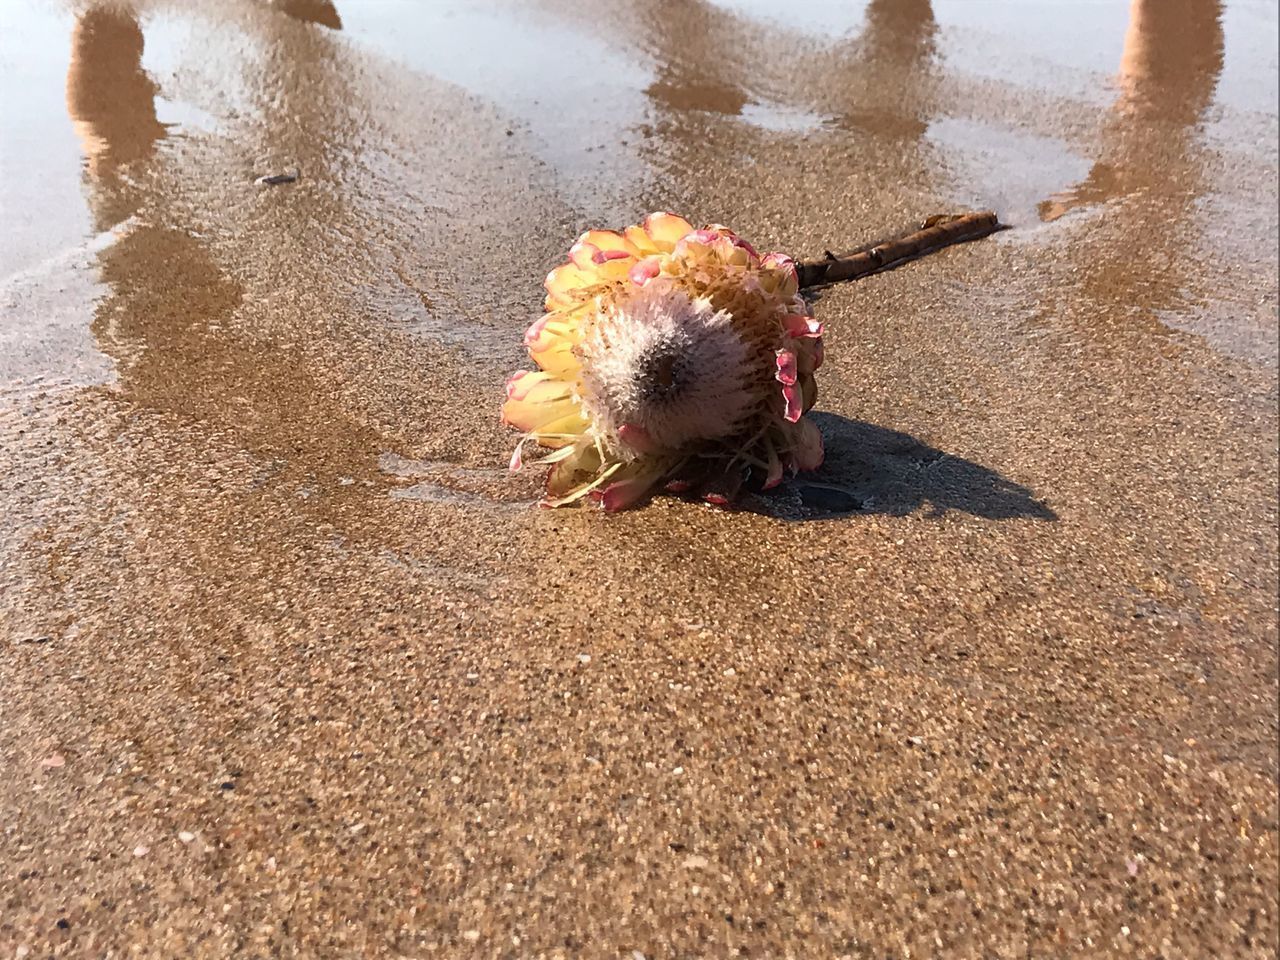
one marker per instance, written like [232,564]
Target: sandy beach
[291,665]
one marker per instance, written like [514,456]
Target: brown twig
[932,235]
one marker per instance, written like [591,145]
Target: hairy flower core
[672,368]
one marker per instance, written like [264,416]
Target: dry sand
[291,667]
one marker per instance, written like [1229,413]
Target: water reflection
[1172,58]
[694,44]
[172,318]
[714,68]
[322,12]
[111,101]
[883,74]
[1150,175]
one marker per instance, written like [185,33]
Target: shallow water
[1000,678]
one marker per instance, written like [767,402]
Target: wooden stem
[932,235]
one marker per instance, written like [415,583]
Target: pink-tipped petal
[644,271]
[564,280]
[522,381]
[550,390]
[610,240]
[636,437]
[556,357]
[582,255]
[535,330]
[783,269]
[714,233]
[639,238]
[739,242]
[625,493]
[553,330]
[550,414]
[786,368]
[700,243]
[792,408]
[798,325]
[517,457]
[604,256]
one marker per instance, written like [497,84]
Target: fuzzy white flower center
[671,366]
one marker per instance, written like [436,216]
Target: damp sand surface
[290,666]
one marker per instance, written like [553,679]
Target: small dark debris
[275,179]
[35,639]
[228,785]
[828,498]
[63,924]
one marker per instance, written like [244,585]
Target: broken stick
[932,235]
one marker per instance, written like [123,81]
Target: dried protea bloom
[668,357]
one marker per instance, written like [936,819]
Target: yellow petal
[778,276]
[558,328]
[568,473]
[559,360]
[546,334]
[533,416]
[564,280]
[643,243]
[666,229]
[554,432]
[548,391]
[612,271]
[609,240]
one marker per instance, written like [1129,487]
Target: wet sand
[291,666]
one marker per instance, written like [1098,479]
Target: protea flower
[668,357]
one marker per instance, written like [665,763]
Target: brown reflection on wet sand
[322,12]
[694,72]
[1150,174]
[177,343]
[883,83]
[111,101]
[876,91]
[1168,71]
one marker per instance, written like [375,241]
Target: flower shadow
[871,469]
